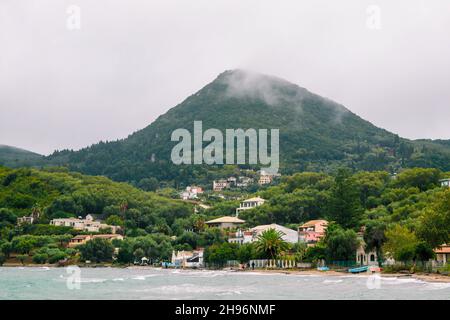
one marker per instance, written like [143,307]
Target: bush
[2,258]
[22,258]
[97,250]
[40,258]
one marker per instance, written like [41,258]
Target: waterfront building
[312,231]
[365,257]
[83,238]
[187,259]
[252,234]
[443,253]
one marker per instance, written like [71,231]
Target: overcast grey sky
[132,60]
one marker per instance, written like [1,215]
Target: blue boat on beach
[359,269]
[323,268]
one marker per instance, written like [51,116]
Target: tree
[148,184]
[400,243]
[341,245]
[138,254]
[300,250]
[271,244]
[2,258]
[114,220]
[188,237]
[345,206]
[219,254]
[422,178]
[96,250]
[22,258]
[424,252]
[434,223]
[126,253]
[374,236]
[6,248]
[40,258]
[245,252]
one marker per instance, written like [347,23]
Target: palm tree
[271,243]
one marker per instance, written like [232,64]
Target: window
[372,257]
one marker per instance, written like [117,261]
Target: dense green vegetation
[316,134]
[15,157]
[403,216]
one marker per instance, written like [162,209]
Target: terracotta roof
[313,223]
[443,249]
[226,220]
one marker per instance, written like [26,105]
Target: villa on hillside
[191,192]
[250,204]
[225,222]
[28,219]
[266,178]
[83,238]
[252,234]
[312,231]
[87,224]
[445,183]
[220,185]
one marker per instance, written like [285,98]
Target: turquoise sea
[150,283]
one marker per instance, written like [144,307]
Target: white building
[191,192]
[252,235]
[250,204]
[219,185]
[244,182]
[365,257]
[188,259]
[87,224]
[445,183]
[240,237]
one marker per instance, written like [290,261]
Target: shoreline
[426,277]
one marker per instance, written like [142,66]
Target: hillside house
[88,224]
[225,222]
[83,238]
[219,185]
[250,204]
[445,183]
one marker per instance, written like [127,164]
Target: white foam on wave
[437,286]
[333,281]
[190,288]
[92,280]
[144,277]
[118,279]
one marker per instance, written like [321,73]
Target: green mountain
[14,157]
[316,134]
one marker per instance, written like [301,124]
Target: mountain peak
[243,83]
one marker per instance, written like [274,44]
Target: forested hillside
[316,134]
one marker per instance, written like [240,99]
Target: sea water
[151,283]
